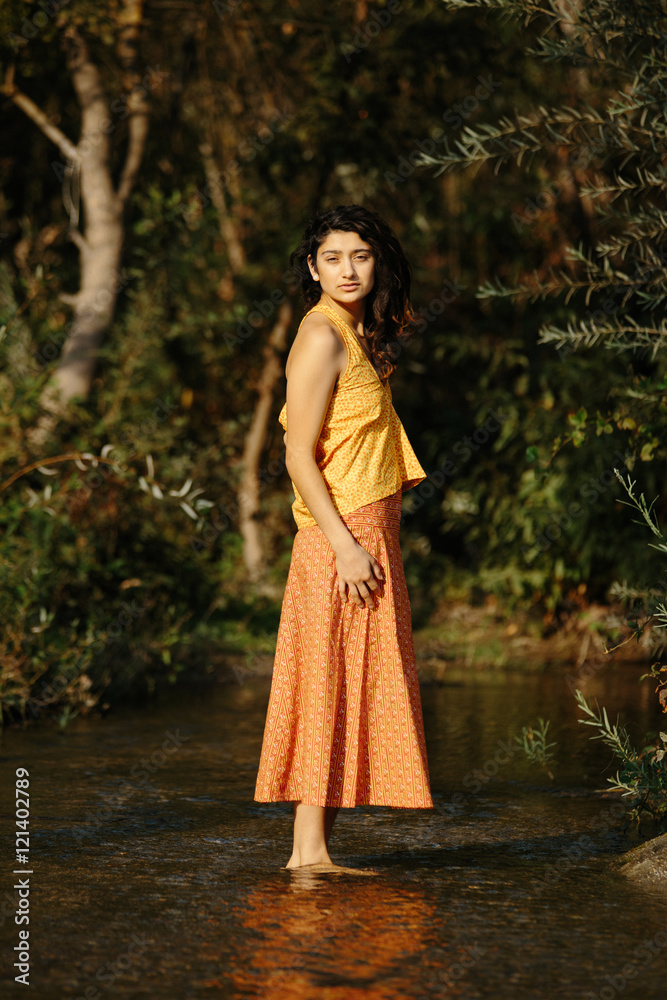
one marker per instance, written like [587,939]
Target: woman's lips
[349,287]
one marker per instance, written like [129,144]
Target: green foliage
[536,748]
[177,377]
[642,776]
[605,145]
[617,134]
[659,674]
[81,594]
[623,138]
[652,601]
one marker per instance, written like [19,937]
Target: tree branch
[137,104]
[235,251]
[79,241]
[29,107]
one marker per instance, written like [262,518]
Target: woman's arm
[317,358]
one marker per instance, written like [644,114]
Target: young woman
[344,722]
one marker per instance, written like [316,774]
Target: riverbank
[462,637]
[483,638]
[459,639]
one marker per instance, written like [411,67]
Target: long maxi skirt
[344,723]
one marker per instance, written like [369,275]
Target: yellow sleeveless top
[363,451]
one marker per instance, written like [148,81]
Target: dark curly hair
[389,313]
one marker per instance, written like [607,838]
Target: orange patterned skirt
[344,723]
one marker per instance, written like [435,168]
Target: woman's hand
[359,573]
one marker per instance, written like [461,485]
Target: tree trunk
[235,252]
[249,487]
[100,247]
[216,180]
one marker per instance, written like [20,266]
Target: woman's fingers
[351,590]
[377,569]
[362,578]
[358,593]
[365,593]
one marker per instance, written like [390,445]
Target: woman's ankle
[300,858]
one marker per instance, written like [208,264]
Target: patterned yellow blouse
[363,451]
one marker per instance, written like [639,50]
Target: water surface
[156,875]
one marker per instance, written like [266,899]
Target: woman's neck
[353,313]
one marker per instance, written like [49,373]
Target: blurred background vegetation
[159,162]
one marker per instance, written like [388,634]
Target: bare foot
[331,868]
[295,861]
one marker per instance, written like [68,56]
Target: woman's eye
[334,260]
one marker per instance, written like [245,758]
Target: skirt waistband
[384,513]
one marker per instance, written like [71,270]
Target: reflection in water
[506,890]
[301,927]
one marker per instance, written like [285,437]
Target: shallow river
[154,874]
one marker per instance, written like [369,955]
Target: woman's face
[345,267]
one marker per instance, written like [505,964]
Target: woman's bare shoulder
[318,338]
[318,327]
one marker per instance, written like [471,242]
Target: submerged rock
[648,861]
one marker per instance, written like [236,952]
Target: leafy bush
[642,776]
